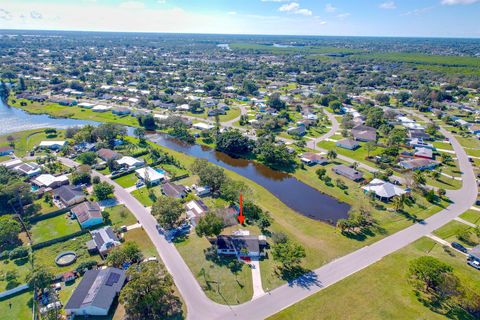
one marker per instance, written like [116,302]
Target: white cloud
[330,8]
[232,13]
[455,2]
[294,7]
[132,5]
[161,1]
[389,5]
[417,12]
[343,15]
[274,0]
[36,15]
[5,15]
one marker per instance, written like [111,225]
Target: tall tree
[168,211]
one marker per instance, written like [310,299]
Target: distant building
[418,164]
[5,150]
[29,169]
[348,144]
[96,292]
[107,154]
[364,133]
[311,158]
[69,195]
[348,172]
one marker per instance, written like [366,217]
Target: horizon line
[244,34]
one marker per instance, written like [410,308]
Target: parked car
[474,263]
[459,247]
[470,159]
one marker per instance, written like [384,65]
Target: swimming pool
[160,170]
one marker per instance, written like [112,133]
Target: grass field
[143,195]
[442,145]
[453,229]
[141,238]
[120,215]
[358,154]
[25,140]
[381,291]
[127,181]
[21,266]
[471,216]
[53,228]
[18,307]
[46,256]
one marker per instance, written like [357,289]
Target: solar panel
[112,279]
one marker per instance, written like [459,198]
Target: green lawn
[381,291]
[143,195]
[24,141]
[21,266]
[471,216]
[141,238]
[453,229]
[445,183]
[18,307]
[127,181]
[216,278]
[359,154]
[53,228]
[46,256]
[442,145]
[120,215]
[45,207]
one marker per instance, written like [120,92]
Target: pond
[297,195]
[14,120]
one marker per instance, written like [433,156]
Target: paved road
[200,307]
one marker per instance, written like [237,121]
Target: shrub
[18,252]
[4,254]
[87,265]
[96,180]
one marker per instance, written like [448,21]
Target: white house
[150,174]
[203,126]
[49,181]
[383,190]
[130,162]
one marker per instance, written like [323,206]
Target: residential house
[347,144]
[52,145]
[214,112]
[121,111]
[69,195]
[243,246]
[202,191]
[418,164]
[419,135]
[103,240]
[50,181]
[6,150]
[95,294]
[202,126]
[29,169]
[195,210]
[424,153]
[364,133]
[311,158]
[88,214]
[107,154]
[297,131]
[10,164]
[383,190]
[419,143]
[150,175]
[475,129]
[174,190]
[348,172]
[130,162]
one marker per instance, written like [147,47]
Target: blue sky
[445,18]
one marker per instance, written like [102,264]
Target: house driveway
[256,279]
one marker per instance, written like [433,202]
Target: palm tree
[436,174]
[419,179]
[398,203]
[355,165]
[332,154]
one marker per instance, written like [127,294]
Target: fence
[56,240]
[48,215]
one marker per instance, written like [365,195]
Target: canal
[297,195]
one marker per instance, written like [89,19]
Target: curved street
[199,306]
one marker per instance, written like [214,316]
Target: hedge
[48,215]
[44,244]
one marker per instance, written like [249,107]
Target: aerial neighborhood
[160,176]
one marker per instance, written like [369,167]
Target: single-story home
[383,190]
[150,175]
[202,126]
[103,240]
[202,191]
[364,133]
[121,111]
[173,190]
[86,105]
[418,164]
[130,162]
[96,292]
[311,158]
[244,246]
[50,181]
[10,164]
[214,112]
[424,153]
[108,154]
[419,143]
[5,150]
[348,172]
[69,195]
[195,210]
[88,214]
[101,108]
[52,145]
[347,144]
[297,131]
[29,169]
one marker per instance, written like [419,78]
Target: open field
[18,307]
[120,215]
[53,228]
[452,232]
[127,181]
[26,140]
[471,216]
[382,290]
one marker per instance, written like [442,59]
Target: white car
[474,263]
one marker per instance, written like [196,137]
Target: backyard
[53,228]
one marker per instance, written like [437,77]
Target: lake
[297,195]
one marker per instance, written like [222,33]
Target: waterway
[297,195]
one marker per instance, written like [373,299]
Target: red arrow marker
[241,217]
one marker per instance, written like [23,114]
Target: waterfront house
[348,172]
[149,175]
[242,246]
[311,158]
[130,162]
[195,209]
[383,190]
